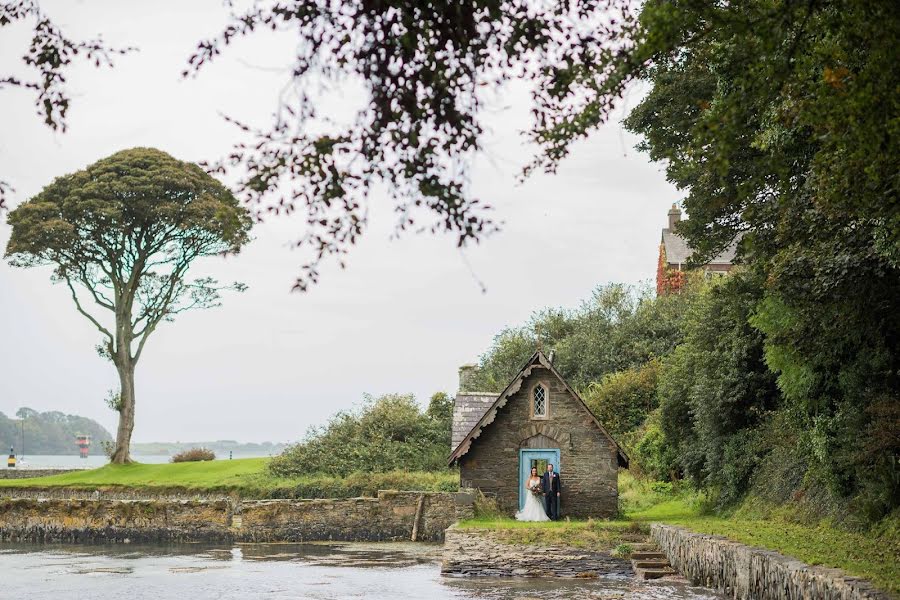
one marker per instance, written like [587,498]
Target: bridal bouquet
[536,490]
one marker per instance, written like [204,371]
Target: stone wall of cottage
[588,468]
[392,516]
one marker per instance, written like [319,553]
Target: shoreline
[714,562]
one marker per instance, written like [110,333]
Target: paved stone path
[473,552]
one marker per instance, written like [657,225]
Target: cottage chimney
[674,217]
[466,377]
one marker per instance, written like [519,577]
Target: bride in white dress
[534,507]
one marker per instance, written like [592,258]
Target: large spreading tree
[122,235]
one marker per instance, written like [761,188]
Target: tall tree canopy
[781,121]
[121,235]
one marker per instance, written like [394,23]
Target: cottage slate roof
[538,359]
[678,252]
[468,408]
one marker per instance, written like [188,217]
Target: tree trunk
[122,453]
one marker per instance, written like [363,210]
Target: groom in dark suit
[551,487]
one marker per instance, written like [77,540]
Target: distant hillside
[48,432]
[220,447]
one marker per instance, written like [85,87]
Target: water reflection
[274,571]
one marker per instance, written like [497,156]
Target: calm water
[315,571]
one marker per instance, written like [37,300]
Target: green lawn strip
[247,477]
[193,475]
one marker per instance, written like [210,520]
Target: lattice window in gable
[540,401]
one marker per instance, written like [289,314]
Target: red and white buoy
[83,442]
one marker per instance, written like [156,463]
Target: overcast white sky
[401,318]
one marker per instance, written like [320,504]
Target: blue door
[535,458]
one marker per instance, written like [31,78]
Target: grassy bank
[874,554]
[247,477]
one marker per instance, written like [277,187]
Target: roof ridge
[488,417]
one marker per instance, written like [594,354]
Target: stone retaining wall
[29,473]
[87,521]
[111,493]
[745,573]
[392,516]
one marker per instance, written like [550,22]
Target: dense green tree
[780,122]
[121,235]
[440,410]
[716,390]
[387,433]
[651,453]
[619,327]
[623,400]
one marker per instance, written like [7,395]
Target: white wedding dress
[534,505]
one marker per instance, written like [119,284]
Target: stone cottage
[537,419]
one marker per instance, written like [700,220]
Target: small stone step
[653,573]
[647,555]
[644,547]
[660,563]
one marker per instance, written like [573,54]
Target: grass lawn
[196,475]
[247,477]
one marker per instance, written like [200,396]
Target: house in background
[674,253]
[537,419]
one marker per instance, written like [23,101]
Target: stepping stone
[647,555]
[651,564]
[653,573]
[644,547]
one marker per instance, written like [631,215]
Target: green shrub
[650,454]
[623,400]
[194,455]
[388,433]
[619,327]
[622,551]
[486,507]
[662,487]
